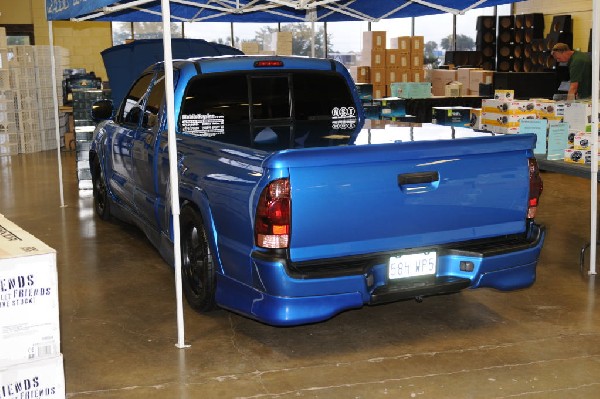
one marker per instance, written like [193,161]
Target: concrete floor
[119,331]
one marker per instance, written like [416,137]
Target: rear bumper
[283,296]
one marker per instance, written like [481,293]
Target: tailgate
[366,199]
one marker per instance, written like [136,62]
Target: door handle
[418,178]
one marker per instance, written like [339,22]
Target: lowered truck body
[294,208]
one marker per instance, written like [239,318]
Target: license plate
[412,265]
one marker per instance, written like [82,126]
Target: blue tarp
[261,10]
[124,63]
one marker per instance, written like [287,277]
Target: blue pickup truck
[294,208]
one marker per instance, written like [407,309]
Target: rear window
[270,112]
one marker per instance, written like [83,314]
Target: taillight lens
[273,215]
[536,187]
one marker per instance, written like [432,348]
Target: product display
[83,101]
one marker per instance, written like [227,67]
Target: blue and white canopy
[258,10]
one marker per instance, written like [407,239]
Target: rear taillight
[273,215]
[535,188]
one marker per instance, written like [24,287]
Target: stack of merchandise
[579,145]
[440,78]
[83,100]
[381,67]
[250,48]
[9,138]
[31,76]
[470,80]
[31,365]
[44,78]
[278,43]
[502,113]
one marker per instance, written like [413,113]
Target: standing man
[580,70]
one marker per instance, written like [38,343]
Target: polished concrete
[118,318]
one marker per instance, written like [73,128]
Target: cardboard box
[418,75]
[379,91]
[477,76]
[475,118]
[577,114]
[279,42]
[500,129]
[463,75]
[583,141]
[43,378]
[583,157]
[453,89]
[545,108]
[373,58]
[416,60]
[451,116]
[392,107]
[410,89]
[378,76]
[250,48]
[417,44]
[516,107]
[365,91]
[374,40]
[507,95]
[396,59]
[361,74]
[500,119]
[439,79]
[29,321]
[402,43]
[394,75]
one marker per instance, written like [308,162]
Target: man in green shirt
[580,70]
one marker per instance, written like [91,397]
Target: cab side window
[131,110]
[154,102]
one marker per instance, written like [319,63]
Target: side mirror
[102,110]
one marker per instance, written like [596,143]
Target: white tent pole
[312,39]
[594,168]
[56,120]
[173,177]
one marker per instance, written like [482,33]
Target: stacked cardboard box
[9,137]
[440,78]
[373,56]
[361,74]
[503,115]
[477,77]
[578,116]
[31,122]
[250,48]
[402,62]
[31,364]
[83,100]
[470,78]
[280,43]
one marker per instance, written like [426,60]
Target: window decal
[343,118]
[203,125]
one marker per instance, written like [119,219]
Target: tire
[197,263]
[100,192]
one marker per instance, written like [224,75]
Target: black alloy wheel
[100,192]
[197,264]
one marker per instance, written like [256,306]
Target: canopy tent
[264,11]
[258,10]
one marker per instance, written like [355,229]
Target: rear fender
[199,201]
